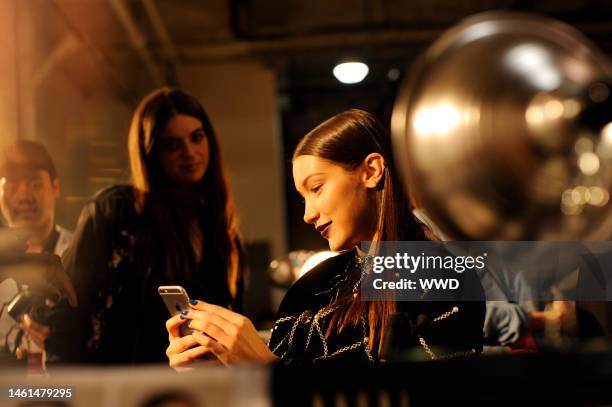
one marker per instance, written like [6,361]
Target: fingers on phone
[191,356]
[180,345]
[173,327]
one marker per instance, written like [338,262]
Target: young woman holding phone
[344,171]
[173,225]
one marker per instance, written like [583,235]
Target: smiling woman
[174,225]
[332,201]
[344,170]
[184,150]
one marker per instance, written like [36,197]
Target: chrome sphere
[502,131]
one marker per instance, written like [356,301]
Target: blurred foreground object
[42,273]
[412,384]
[504,131]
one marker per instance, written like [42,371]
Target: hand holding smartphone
[175,297]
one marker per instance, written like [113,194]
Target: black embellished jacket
[426,329]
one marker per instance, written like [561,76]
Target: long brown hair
[347,139]
[151,187]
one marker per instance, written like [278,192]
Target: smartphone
[175,297]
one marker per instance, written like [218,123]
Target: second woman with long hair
[173,225]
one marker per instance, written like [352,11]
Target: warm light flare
[437,120]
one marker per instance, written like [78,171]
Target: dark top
[425,329]
[116,269]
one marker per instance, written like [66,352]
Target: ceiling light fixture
[351,72]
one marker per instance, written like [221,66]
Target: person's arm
[44,276]
[505,323]
[71,329]
[229,336]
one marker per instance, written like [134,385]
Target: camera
[28,302]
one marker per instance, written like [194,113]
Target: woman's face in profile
[337,202]
[184,150]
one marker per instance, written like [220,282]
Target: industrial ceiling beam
[124,91]
[169,51]
[349,39]
[136,39]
